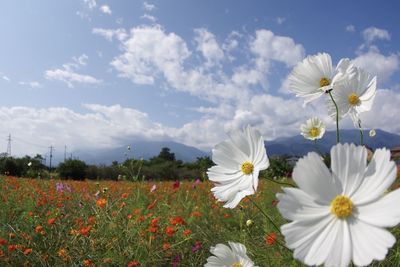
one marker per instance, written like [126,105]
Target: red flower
[177,220]
[270,239]
[170,231]
[176,185]
[51,221]
[152,205]
[187,232]
[3,242]
[133,264]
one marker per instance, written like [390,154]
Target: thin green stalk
[337,117]
[317,147]
[278,182]
[361,133]
[269,219]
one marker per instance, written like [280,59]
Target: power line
[51,154]
[9,146]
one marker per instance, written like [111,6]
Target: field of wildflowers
[85,223]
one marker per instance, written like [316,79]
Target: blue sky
[91,73]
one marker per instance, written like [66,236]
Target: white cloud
[69,75]
[350,28]
[149,17]
[148,7]
[109,34]
[105,9]
[149,50]
[6,78]
[372,33]
[280,20]
[31,84]
[150,53]
[90,3]
[208,46]
[377,64]
[99,127]
[83,15]
[280,48]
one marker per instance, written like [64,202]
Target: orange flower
[11,248]
[1,253]
[270,239]
[101,202]
[27,251]
[226,215]
[62,253]
[152,205]
[51,221]
[170,231]
[196,214]
[88,263]
[125,195]
[133,264]
[38,229]
[85,231]
[177,220]
[187,232]
[166,246]
[136,211]
[3,242]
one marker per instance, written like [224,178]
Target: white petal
[379,176]
[222,175]
[297,205]
[239,139]
[348,164]
[314,178]
[323,244]
[341,253]
[369,242]
[300,235]
[384,212]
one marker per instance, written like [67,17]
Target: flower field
[70,223]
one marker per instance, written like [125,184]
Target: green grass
[120,233]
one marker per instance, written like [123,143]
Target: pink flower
[153,188]
[197,246]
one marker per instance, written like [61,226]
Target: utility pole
[65,153]
[51,155]
[9,146]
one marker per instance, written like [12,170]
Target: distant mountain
[295,145]
[140,149]
[299,146]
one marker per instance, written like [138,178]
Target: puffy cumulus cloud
[208,46]
[378,64]
[68,74]
[149,50]
[109,34]
[372,33]
[269,46]
[100,127]
[150,54]
[91,4]
[105,9]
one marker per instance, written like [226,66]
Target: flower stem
[317,147]
[269,219]
[337,117]
[361,133]
[277,182]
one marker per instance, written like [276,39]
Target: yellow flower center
[236,265]
[353,99]
[314,132]
[324,82]
[247,168]
[341,206]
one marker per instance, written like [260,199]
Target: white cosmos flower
[353,95]
[239,161]
[232,256]
[315,75]
[313,129]
[339,216]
